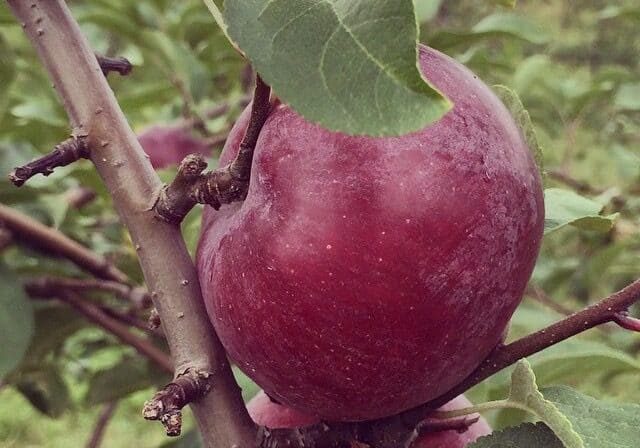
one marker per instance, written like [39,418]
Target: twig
[540,296]
[94,314]
[166,405]
[222,186]
[396,430]
[120,65]
[578,185]
[101,425]
[138,296]
[89,101]
[32,233]
[434,424]
[78,197]
[131,320]
[65,153]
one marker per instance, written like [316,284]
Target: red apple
[265,412]
[168,144]
[365,276]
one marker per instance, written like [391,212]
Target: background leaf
[527,435]
[511,99]
[600,424]
[16,321]
[565,207]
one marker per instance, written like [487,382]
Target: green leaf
[249,388]
[349,65]
[513,103]
[506,3]
[7,73]
[565,207]
[499,25]
[126,377]
[16,321]
[628,97]
[513,25]
[427,9]
[527,435]
[524,395]
[600,424]
[46,391]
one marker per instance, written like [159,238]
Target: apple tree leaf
[524,395]
[565,207]
[513,103]
[16,322]
[499,25]
[526,435]
[128,376]
[600,424]
[46,390]
[349,65]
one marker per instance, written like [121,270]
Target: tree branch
[168,269]
[137,296]
[166,405]
[65,153]
[120,65]
[6,238]
[222,186]
[101,425]
[32,233]
[94,314]
[397,430]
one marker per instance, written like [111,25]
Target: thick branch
[168,269]
[94,314]
[32,233]
[222,186]
[166,405]
[394,431]
[63,154]
[101,425]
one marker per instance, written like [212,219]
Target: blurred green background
[575,65]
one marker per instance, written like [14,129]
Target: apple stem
[225,185]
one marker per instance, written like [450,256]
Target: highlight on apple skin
[365,276]
[266,413]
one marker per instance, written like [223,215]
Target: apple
[266,413]
[365,276]
[168,144]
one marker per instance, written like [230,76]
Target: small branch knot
[120,65]
[166,405]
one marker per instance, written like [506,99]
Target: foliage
[573,68]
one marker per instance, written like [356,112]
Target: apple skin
[266,413]
[364,276]
[168,144]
